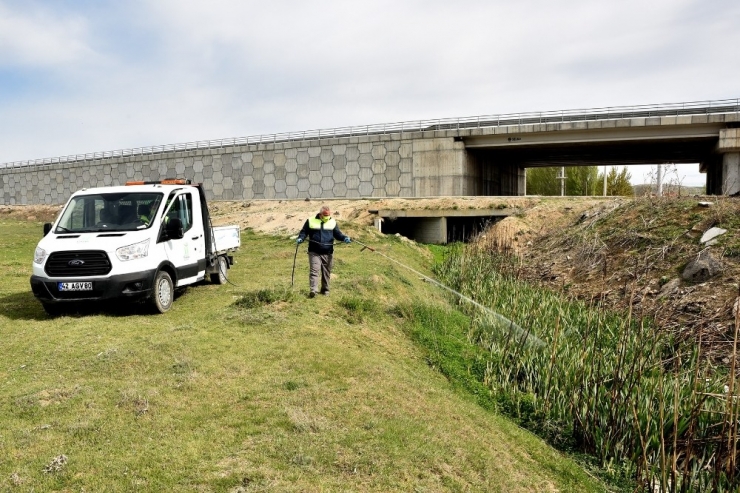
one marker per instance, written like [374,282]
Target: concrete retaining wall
[369,167]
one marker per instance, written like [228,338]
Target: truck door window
[187,211]
[182,209]
[76,218]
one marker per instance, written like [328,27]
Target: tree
[579,180]
[618,182]
[543,181]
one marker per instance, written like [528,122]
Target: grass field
[250,386]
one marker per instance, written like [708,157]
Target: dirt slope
[634,255]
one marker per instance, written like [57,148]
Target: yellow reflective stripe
[314,223]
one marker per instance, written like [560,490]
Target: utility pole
[604,181]
[660,180]
[562,181]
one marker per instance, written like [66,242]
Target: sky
[79,76]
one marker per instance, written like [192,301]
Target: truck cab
[139,241]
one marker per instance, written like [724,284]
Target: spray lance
[292,276]
[364,247]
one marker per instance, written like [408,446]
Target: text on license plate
[75,286]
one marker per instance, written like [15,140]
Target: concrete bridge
[484,155]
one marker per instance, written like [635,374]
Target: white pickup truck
[138,241]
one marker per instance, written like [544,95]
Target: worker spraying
[321,232]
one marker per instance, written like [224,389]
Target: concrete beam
[729,140]
[574,136]
[394,213]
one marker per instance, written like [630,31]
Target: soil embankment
[617,252]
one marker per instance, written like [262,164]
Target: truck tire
[53,309]
[221,276]
[163,292]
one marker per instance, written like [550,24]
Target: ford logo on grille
[76,262]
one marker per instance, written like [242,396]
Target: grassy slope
[326,394]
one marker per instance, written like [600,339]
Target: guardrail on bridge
[562,116]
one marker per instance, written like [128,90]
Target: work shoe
[325,293]
[312,294]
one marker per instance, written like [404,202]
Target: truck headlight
[132,252]
[39,255]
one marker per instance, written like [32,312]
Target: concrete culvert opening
[463,229]
[439,226]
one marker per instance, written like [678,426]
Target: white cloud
[39,38]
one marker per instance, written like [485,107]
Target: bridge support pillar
[497,177]
[712,166]
[504,179]
[729,146]
[730,173]
[442,167]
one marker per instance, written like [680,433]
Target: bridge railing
[506,119]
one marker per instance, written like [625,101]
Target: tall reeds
[609,384]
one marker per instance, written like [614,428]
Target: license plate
[74,286]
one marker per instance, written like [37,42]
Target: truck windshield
[109,212]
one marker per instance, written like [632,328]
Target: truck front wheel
[53,310]
[221,276]
[163,292]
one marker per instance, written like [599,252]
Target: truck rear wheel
[221,276]
[163,292]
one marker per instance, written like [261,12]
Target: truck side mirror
[173,229]
[47,228]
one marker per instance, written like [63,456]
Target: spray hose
[499,320]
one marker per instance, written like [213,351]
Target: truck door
[188,253]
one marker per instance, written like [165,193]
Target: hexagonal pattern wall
[375,166]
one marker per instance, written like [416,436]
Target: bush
[262,297]
[358,308]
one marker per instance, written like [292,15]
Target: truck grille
[78,264]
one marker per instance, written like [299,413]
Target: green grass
[443,332]
[252,386]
